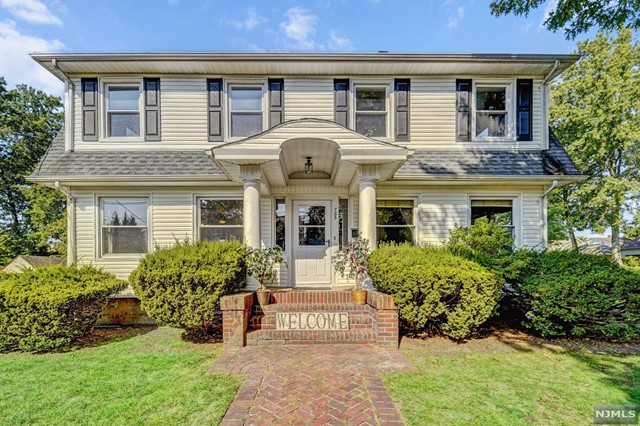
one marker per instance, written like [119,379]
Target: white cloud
[17,67]
[299,27]
[32,11]
[456,18]
[550,7]
[251,21]
[340,43]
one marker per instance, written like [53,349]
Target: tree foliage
[594,112]
[576,16]
[30,216]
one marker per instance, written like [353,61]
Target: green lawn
[153,378]
[512,386]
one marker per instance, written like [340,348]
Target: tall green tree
[30,217]
[594,111]
[576,16]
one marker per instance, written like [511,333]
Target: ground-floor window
[394,221]
[498,211]
[123,226]
[220,219]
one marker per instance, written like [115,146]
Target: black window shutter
[276,101]
[89,88]
[214,103]
[463,110]
[341,101]
[524,100]
[402,89]
[151,109]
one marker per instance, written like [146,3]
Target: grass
[148,379]
[512,386]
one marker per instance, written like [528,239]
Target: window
[394,221]
[220,219]
[280,225]
[371,111]
[491,111]
[499,211]
[123,110]
[245,105]
[124,227]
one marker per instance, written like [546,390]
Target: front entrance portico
[344,166]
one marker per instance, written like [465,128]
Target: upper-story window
[371,110]
[491,111]
[246,110]
[123,110]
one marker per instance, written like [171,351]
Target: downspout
[71,223]
[545,104]
[69,96]
[543,207]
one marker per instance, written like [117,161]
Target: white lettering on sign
[312,321]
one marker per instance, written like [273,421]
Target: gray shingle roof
[57,162]
[460,163]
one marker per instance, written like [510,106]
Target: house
[302,151]
[22,262]
[630,247]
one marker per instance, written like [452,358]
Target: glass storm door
[311,243]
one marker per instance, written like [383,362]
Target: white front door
[312,243]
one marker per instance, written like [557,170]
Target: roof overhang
[392,64]
[132,180]
[485,179]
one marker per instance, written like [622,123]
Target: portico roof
[335,151]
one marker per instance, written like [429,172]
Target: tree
[594,112]
[576,16]
[632,230]
[29,217]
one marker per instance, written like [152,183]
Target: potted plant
[353,259]
[261,264]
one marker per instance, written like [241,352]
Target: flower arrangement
[353,259]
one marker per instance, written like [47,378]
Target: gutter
[69,96]
[71,223]
[555,184]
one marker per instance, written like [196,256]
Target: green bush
[573,294]
[435,290]
[631,261]
[47,308]
[182,285]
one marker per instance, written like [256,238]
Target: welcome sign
[312,321]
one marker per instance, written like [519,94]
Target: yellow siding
[308,98]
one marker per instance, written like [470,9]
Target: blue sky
[244,26]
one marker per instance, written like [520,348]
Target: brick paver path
[312,385]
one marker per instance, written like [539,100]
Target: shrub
[631,261]
[434,289]
[182,285]
[47,308]
[574,294]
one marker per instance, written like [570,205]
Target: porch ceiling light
[308,167]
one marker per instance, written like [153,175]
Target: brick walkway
[312,385]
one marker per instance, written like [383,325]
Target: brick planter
[246,323]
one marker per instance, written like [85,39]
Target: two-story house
[302,151]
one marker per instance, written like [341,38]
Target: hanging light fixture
[308,167]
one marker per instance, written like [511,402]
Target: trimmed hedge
[182,285]
[47,308]
[435,290]
[573,294]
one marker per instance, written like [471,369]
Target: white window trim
[100,215]
[197,220]
[373,84]
[510,123]
[227,104]
[413,226]
[516,206]
[104,121]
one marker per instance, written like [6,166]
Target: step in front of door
[363,336]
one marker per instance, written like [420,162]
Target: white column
[250,175]
[367,175]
